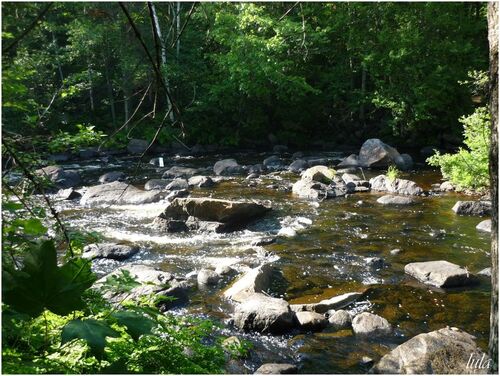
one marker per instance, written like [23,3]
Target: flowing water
[325,257]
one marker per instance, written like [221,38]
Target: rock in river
[276,369]
[112,176]
[253,281]
[118,193]
[264,314]
[228,167]
[157,184]
[339,319]
[68,194]
[477,208]
[207,277]
[399,186]
[395,200]
[320,174]
[201,181]
[443,351]
[368,324]
[325,305]
[223,214]
[311,320]
[440,273]
[179,172]
[484,226]
[375,153]
[60,177]
[110,251]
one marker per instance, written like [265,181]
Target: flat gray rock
[440,273]
[325,305]
[395,200]
[110,251]
[443,351]
[311,320]
[276,369]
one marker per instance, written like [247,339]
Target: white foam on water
[151,210]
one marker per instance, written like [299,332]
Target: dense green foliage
[339,72]
[53,321]
[468,168]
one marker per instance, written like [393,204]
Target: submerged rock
[111,177]
[368,324]
[440,273]
[476,208]
[277,369]
[395,200]
[325,305]
[350,161]
[111,251]
[225,215]
[443,351]
[399,186]
[118,193]
[60,177]
[484,226]
[264,314]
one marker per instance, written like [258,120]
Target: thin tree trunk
[178,28]
[363,91]
[163,54]
[91,89]
[109,85]
[493,41]
[59,68]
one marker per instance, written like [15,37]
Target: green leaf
[135,323]
[94,332]
[121,283]
[41,284]
[11,206]
[32,226]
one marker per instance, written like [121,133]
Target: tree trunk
[109,85]
[163,68]
[178,28]
[91,89]
[493,41]
[59,68]
[363,91]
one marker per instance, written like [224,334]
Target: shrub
[86,136]
[393,173]
[468,168]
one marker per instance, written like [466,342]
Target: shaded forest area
[238,74]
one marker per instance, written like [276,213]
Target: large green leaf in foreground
[41,284]
[94,332]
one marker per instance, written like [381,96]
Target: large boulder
[227,167]
[264,314]
[395,200]
[314,190]
[179,172]
[443,351]
[226,215]
[136,146]
[253,281]
[118,193]
[276,369]
[321,174]
[325,305]
[207,277]
[405,162]
[440,273]
[484,226]
[399,186]
[369,324]
[110,251]
[59,177]
[112,176]
[375,153]
[476,208]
